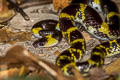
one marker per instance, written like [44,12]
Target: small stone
[57,52]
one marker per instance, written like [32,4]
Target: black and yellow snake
[87,14]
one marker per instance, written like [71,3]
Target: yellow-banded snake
[86,13]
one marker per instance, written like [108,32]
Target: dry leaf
[58,4]
[18,56]
[5,13]
[86,36]
[113,68]
[13,37]
[97,74]
[8,73]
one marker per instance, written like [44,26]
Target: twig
[41,63]
[31,3]
[20,10]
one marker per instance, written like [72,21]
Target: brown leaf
[97,74]
[18,56]
[86,36]
[58,4]
[15,58]
[12,72]
[13,37]
[113,68]
[5,13]
[8,73]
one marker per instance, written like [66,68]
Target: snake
[100,18]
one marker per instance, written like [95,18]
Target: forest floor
[24,37]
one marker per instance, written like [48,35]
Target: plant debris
[20,63]
[5,13]
[113,68]
[8,36]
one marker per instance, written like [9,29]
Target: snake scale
[86,12]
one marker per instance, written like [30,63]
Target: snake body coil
[87,14]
